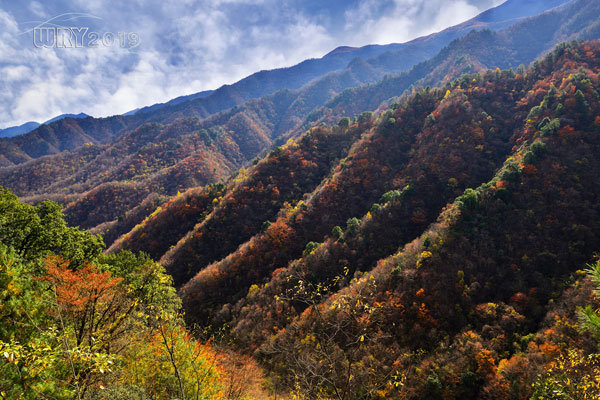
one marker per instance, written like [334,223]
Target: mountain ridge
[253,86]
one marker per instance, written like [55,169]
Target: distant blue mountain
[19,130]
[29,126]
[62,116]
[518,9]
[401,57]
[176,100]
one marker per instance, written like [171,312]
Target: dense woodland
[433,234]
[78,324]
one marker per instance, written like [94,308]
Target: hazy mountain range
[266,82]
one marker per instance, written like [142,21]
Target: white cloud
[403,20]
[187,46]
[37,9]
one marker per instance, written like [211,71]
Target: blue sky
[186,46]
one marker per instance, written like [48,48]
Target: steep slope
[112,230]
[163,226]
[396,153]
[251,200]
[354,180]
[462,142]
[251,258]
[443,312]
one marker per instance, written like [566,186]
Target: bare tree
[324,351]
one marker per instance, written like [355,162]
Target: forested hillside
[235,215]
[374,266]
[78,324]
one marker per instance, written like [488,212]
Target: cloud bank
[186,46]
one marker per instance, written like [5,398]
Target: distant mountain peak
[342,49]
[32,125]
[62,116]
[515,9]
[18,130]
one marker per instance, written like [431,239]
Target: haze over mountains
[408,221]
